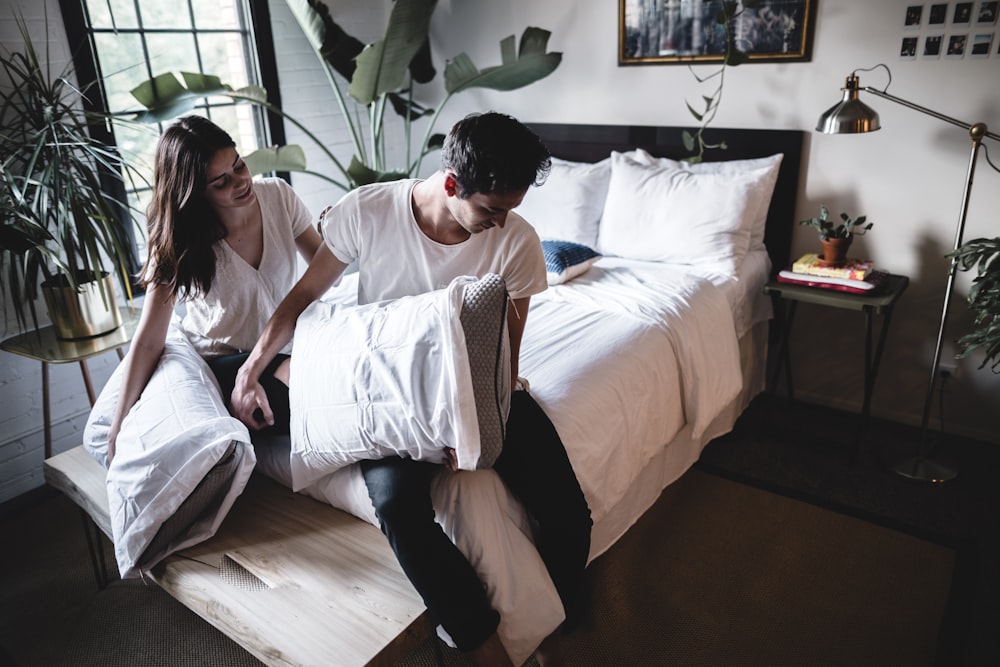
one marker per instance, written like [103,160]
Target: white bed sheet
[623,360]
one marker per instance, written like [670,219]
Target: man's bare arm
[248,395]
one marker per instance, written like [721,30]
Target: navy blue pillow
[565,260]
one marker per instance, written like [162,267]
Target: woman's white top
[231,316]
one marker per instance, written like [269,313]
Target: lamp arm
[930,112]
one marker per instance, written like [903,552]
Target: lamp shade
[850,115]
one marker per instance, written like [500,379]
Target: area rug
[721,573]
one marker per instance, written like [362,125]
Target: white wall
[907,178]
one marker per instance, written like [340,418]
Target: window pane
[172,53]
[222,55]
[168,14]
[112,14]
[237,120]
[137,143]
[122,65]
[216,14]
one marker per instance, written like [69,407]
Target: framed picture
[670,32]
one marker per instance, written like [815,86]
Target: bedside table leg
[46,412]
[872,362]
[784,360]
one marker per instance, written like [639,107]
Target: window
[122,43]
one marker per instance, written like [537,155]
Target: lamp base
[924,470]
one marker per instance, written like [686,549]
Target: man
[411,237]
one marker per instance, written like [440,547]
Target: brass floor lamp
[852,116]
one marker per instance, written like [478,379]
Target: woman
[221,243]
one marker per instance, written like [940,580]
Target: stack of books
[858,276]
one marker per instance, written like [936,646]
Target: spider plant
[58,224]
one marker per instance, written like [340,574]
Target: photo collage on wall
[951,31]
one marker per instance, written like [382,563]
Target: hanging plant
[732,57]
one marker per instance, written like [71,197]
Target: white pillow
[764,171]
[665,214]
[568,206]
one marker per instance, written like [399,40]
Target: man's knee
[400,493]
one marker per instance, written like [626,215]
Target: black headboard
[590,143]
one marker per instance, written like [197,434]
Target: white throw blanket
[177,431]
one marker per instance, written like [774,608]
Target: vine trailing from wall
[732,56]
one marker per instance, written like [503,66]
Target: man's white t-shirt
[375,225]
[232,315]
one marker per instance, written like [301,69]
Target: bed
[649,343]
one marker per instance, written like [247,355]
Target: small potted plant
[836,237]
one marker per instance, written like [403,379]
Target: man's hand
[249,403]
[451,459]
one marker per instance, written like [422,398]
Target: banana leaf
[327,38]
[166,97]
[516,70]
[276,158]
[382,66]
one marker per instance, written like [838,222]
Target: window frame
[87,66]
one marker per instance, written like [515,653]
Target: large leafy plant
[58,223]
[982,255]
[381,79]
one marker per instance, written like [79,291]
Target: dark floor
[832,459]
[776,446]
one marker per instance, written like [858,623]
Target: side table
[787,296]
[42,344]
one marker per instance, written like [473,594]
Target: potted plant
[381,79]
[59,227]
[836,237]
[983,255]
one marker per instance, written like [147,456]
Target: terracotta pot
[835,251]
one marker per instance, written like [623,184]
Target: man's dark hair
[494,153]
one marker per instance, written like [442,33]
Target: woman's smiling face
[230,183]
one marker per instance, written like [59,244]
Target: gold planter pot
[90,310]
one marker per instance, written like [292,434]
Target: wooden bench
[290,579]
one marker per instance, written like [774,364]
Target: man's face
[481,212]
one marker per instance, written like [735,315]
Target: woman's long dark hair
[183,226]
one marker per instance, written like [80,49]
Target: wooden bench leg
[94,535]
